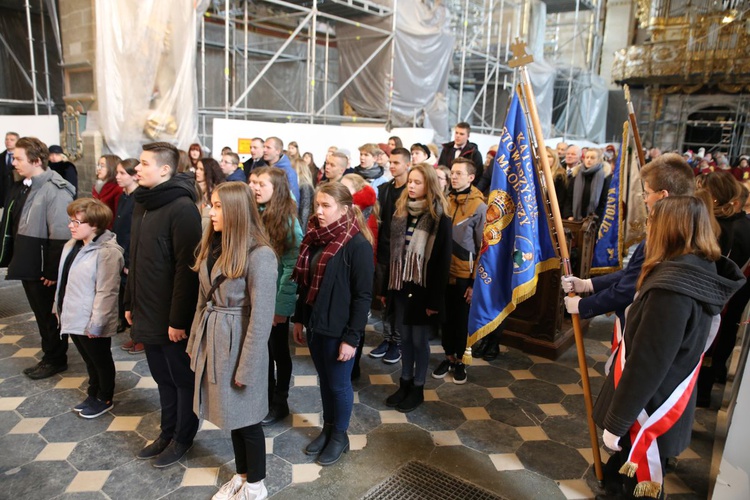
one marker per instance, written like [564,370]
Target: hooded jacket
[667,329]
[42,229]
[285,165]
[162,290]
[92,288]
[468,212]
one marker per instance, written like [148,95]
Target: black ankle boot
[412,400]
[400,394]
[337,446]
[493,349]
[320,442]
[478,349]
[279,411]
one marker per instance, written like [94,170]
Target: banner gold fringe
[467,357]
[647,489]
[629,468]
[520,294]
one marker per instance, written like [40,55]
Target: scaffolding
[293,45]
[30,73]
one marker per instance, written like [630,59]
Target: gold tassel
[647,489]
[629,468]
[467,357]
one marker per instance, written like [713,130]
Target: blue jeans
[335,380]
[415,343]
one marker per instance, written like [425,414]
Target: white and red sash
[643,460]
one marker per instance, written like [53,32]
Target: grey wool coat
[229,342]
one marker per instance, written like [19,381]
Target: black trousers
[278,353]
[170,367]
[249,445]
[40,299]
[97,355]
[457,318]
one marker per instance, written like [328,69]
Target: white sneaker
[252,491]
[229,489]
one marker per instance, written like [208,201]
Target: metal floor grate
[13,301]
[419,481]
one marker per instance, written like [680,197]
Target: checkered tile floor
[517,427]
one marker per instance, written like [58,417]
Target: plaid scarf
[333,236]
[409,263]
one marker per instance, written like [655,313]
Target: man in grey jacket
[35,229]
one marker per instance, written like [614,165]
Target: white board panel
[45,127]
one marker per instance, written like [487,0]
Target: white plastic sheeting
[585,114]
[422,59]
[542,76]
[145,72]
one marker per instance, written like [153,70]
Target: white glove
[571,304]
[611,441]
[577,285]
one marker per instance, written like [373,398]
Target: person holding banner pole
[647,403]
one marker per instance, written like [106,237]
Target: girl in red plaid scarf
[334,272]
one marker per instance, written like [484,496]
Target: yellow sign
[243,146]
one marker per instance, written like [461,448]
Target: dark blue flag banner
[517,243]
[609,239]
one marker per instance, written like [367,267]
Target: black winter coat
[432,295]
[666,332]
[343,301]
[470,151]
[162,290]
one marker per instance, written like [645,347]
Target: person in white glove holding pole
[665,176]
[647,403]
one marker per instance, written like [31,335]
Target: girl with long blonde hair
[229,337]
[421,242]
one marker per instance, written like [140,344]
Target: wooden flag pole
[640,154]
[520,60]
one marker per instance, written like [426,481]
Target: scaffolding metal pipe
[487,58]
[393,60]
[325,72]
[46,61]
[570,73]
[31,55]
[328,16]
[497,64]
[355,74]
[479,95]
[463,59]
[313,45]
[244,52]
[226,56]
[272,60]
[203,71]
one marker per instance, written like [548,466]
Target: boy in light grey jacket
[86,300]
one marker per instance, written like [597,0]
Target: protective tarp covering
[145,72]
[542,76]
[422,59]
[585,115]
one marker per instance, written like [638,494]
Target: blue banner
[608,246]
[517,243]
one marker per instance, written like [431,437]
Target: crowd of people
[210,264]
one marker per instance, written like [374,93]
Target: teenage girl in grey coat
[229,337]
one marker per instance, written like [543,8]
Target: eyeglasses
[646,194]
[76,222]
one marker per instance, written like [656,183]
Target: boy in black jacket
[162,292]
